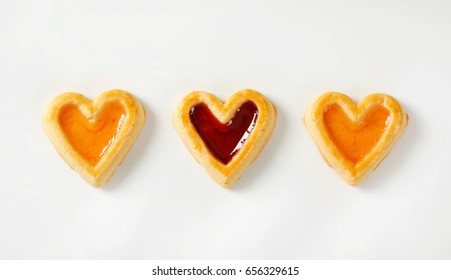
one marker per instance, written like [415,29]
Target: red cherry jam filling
[224,140]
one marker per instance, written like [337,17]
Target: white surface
[289,204]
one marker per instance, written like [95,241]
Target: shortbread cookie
[355,138]
[93,137]
[225,138]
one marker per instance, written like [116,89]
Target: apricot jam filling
[224,140]
[355,140]
[92,137]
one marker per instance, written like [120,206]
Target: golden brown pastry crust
[100,173]
[226,175]
[352,173]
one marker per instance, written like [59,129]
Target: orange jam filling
[355,139]
[92,137]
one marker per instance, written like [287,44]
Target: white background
[161,204]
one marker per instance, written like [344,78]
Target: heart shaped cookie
[355,138]
[225,137]
[93,137]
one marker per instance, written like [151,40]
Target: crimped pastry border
[354,174]
[226,175]
[134,120]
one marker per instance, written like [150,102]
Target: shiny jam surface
[355,139]
[92,138]
[224,140]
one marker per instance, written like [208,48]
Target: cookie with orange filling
[93,137]
[355,138]
[225,138]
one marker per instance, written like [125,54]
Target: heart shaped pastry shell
[226,174]
[100,173]
[354,173]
